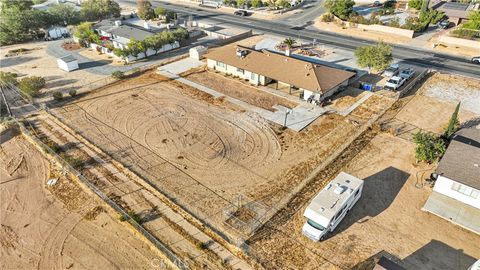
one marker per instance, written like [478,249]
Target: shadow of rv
[379,191]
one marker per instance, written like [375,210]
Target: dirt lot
[386,220]
[433,106]
[37,62]
[58,227]
[234,88]
[197,149]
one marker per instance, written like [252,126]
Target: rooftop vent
[241,52]
[340,189]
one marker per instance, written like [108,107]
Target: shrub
[31,85]
[8,78]
[118,75]
[429,147]
[201,246]
[72,92]
[327,17]
[57,95]
[465,33]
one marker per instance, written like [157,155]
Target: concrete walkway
[297,118]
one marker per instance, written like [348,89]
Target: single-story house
[262,67]
[456,194]
[455,11]
[121,32]
[67,63]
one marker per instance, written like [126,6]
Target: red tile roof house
[316,82]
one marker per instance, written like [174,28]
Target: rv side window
[356,193]
[338,215]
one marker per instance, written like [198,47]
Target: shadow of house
[379,191]
[438,255]
[435,255]
[91,64]
[58,83]
[12,61]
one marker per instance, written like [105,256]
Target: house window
[253,76]
[465,190]
[239,70]
[220,64]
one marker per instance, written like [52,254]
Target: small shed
[67,63]
[197,52]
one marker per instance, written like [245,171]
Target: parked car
[391,71]
[444,24]
[241,13]
[476,60]
[395,82]
[407,73]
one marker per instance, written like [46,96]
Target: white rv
[331,205]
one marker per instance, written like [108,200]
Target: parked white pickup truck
[395,82]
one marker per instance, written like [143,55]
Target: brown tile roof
[286,69]
[461,161]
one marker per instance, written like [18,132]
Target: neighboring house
[121,32]
[456,194]
[67,63]
[456,12]
[264,67]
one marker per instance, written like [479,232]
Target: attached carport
[454,211]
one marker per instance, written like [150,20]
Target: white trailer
[331,205]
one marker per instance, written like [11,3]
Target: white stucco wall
[443,185]
[247,75]
[67,66]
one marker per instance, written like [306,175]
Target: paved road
[307,14]
[408,55]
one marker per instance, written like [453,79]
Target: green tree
[17,25]
[31,85]
[415,4]
[21,5]
[99,9]
[160,11]
[282,4]
[240,3]
[257,3]
[289,42]
[429,147]
[341,8]
[64,14]
[134,47]
[122,54]
[377,57]
[473,20]
[145,10]
[180,34]
[453,124]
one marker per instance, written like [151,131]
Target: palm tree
[289,42]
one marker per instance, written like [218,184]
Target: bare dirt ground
[234,88]
[59,227]
[199,150]
[386,220]
[355,32]
[436,100]
[37,62]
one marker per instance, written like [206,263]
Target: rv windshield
[315,225]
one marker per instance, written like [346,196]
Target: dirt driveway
[386,220]
[57,227]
